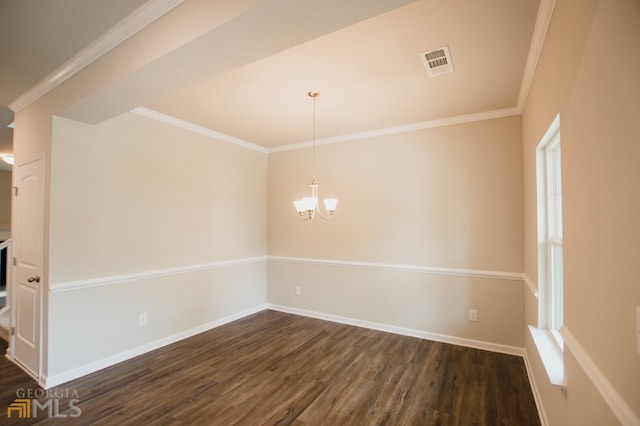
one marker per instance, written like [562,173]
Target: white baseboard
[60,378]
[460,341]
[4,323]
[544,421]
[476,344]
[17,363]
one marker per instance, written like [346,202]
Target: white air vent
[437,61]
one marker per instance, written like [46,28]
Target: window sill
[551,353]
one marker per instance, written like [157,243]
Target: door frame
[44,280]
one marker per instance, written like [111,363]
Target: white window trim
[548,341]
[551,354]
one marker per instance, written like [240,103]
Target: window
[550,230]
[550,292]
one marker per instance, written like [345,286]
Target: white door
[28,234]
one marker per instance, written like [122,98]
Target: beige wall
[599,105]
[5,199]
[167,209]
[33,138]
[91,238]
[133,194]
[448,197]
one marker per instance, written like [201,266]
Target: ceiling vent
[437,61]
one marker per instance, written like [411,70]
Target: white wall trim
[551,354]
[136,21]
[460,341]
[92,367]
[38,379]
[172,121]
[411,127]
[461,119]
[530,284]
[136,276]
[516,276]
[543,21]
[614,400]
[544,421]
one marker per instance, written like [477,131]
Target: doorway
[26,285]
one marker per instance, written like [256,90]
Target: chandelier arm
[314,194]
[323,216]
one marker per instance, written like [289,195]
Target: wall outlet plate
[473,315]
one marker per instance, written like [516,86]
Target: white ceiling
[39,36]
[369,74]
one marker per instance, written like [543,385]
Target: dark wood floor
[275,368]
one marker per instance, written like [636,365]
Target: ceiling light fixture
[308,206]
[8,159]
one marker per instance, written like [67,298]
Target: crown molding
[412,127]
[543,21]
[136,21]
[448,121]
[186,125]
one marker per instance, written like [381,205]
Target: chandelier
[308,206]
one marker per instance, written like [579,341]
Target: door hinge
[15,190]
[13,331]
[15,261]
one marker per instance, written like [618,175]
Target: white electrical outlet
[473,315]
[298,291]
[143,319]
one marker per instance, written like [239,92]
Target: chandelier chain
[313,95]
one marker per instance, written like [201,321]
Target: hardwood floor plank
[274,368]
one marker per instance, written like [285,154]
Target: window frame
[547,335]
[549,168]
